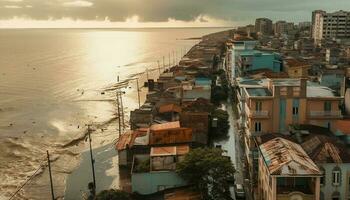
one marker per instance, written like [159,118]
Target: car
[239,191]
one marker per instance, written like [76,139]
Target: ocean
[53,82]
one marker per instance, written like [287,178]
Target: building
[250,60]
[239,44]
[296,68]
[155,172]
[333,160]
[263,26]
[286,172]
[330,25]
[282,27]
[271,106]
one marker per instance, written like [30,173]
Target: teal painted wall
[149,183]
[333,81]
[282,124]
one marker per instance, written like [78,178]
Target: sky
[156,13]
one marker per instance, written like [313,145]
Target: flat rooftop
[286,82]
[252,52]
[259,92]
[320,91]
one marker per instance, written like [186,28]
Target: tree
[209,171]
[223,125]
[113,194]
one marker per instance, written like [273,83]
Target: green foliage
[223,123]
[144,166]
[113,195]
[218,94]
[209,171]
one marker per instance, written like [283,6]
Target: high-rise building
[330,25]
[263,26]
[282,27]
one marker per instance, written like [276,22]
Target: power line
[27,181]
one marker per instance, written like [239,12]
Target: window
[258,106]
[323,177]
[295,110]
[283,91]
[257,127]
[336,177]
[327,106]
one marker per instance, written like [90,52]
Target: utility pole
[169,61]
[119,120]
[158,66]
[147,74]
[92,163]
[173,58]
[138,91]
[163,63]
[51,184]
[122,109]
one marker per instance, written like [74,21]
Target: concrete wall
[152,182]
[328,188]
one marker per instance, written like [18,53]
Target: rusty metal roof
[170,108]
[170,150]
[283,157]
[131,138]
[325,149]
[165,126]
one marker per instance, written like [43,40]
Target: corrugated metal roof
[131,138]
[283,157]
[325,149]
[169,108]
[165,126]
[170,150]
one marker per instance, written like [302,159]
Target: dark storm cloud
[162,10]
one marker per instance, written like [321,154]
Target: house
[155,172]
[286,172]
[130,143]
[250,60]
[296,68]
[170,133]
[270,106]
[333,160]
[143,116]
[169,112]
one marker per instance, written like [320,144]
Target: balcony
[256,113]
[325,114]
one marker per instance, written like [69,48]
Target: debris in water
[102,93]
[10,124]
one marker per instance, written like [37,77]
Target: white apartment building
[330,25]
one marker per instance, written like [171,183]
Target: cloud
[12,7]
[238,11]
[12,0]
[78,3]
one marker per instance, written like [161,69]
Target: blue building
[251,60]
[156,171]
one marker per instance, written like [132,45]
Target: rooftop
[169,150]
[169,108]
[286,82]
[320,91]
[253,52]
[164,126]
[325,149]
[283,157]
[259,92]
